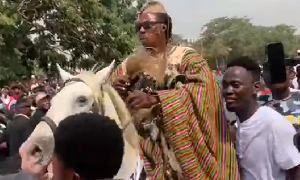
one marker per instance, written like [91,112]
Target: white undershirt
[5,100]
[265,146]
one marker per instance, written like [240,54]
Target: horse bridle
[95,108]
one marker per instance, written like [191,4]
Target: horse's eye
[81,99]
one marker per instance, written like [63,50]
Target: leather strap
[50,122]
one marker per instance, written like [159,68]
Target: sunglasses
[146,25]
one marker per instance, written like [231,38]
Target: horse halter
[94,109]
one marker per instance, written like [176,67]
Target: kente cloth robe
[194,124]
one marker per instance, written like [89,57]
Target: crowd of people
[19,103]
[26,89]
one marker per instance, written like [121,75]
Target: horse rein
[50,123]
[94,109]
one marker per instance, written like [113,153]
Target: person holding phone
[264,145]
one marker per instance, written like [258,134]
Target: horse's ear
[63,74]
[104,74]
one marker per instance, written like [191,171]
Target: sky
[189,16]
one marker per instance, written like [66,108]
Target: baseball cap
[22,103]
[40,95]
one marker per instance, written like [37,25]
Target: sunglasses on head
[146,25]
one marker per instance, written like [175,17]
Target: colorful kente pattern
[194,125]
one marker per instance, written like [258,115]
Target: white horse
[93,89]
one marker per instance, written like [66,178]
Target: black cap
[22,102]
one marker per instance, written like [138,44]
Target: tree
[218,51]
[72,33]
[226,38]
[177,39]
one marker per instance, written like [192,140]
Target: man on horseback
[177,105]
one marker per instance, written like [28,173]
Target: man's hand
[138,99]
[121,85]
[3,145]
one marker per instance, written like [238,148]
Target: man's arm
[285,152]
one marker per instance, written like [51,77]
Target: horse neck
[110,109]
[118,104]
[122,114]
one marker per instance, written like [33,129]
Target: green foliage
[72,33]
[225,38]
[37,34]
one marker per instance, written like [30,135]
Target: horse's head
[80,93]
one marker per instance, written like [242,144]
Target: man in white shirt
[264,143]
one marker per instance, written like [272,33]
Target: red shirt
[15,96]
[10,102]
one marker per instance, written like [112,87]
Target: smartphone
[276,62]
